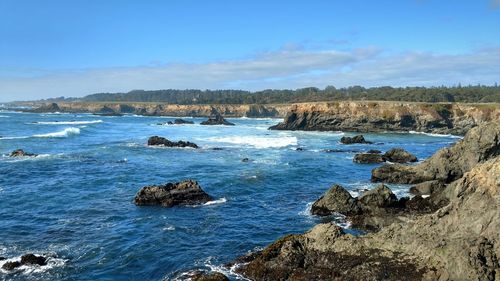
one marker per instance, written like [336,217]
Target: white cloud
[287,68]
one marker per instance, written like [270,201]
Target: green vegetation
[468,94]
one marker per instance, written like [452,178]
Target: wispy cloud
[287,68]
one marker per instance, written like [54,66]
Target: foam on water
[60,134]
[52,262]
[4,116]
[218,201]
[69,122]
[257,142]
[436,135]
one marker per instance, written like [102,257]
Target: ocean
[74,202]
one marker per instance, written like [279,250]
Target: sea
[74,202]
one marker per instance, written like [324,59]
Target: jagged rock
[11,265]
[217,120]
[33,259]
[353,140]
[427,188]
[448,164]
[21,153]
[160,141]
[368,158]
[399,155]
[336,199]
[210,276]
[187,192]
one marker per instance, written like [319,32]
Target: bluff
[370,116]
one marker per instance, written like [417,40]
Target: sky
[74,48]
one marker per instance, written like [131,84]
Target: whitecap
[307,211]
[436,135]
[258,142]
[52,262]
[4,116]
[169,228]
[68,122]
[218,201]
[61,134]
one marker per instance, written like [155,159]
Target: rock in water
[211,276]
[187,192]
[21,153]
[336,199]
[399,155]
[160,141]
[47,108]
[33,259]
[379,197]
[479,145]
[368,158]
[355,139]
[10,265]
[217,120]
[182,121]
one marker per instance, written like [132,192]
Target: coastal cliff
[360,116]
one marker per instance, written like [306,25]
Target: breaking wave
[436,135]
[258,142]
[61,134]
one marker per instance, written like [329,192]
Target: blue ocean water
[74,201]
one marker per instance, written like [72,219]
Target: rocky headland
[452,234]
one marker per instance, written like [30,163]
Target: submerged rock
[182,121]
[368,158]
[353,140]
[399,155]
[217,120]
[187,192]
[160,141]
[21,153]
[245,160]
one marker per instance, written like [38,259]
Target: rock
[379,197]
[427,188]
[353,140]
[160,141]
[187,192]
[448,164]
[368,158]
[47,108]
[216,120]
[2,258]
[336,199]
[399,155]
[300,149]
[245,160]
[374,151]
[11,265]
[211,276]
[217,148]
[32,259]
[21,153]
[182,121]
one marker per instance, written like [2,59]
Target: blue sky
[73,48]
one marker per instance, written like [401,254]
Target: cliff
[360,116]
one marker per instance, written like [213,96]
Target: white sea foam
[61,134]
[224,270]
[218,201]
[258,142]
[436,135]
[4,116]
[69,122]
[52,262]
[169,228]
[307,211]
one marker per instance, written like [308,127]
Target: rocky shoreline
[451,234]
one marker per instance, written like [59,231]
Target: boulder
[182,121]
[217,120]
[21,153]
[210,276]
[336,200]
[11,265]
[368,158]
[353,140]
[33,259]
[379,197]
[187,192]
[160,141]
[245,160]
[399,155]
[427,187]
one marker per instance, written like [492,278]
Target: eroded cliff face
[362,116]
[155,109]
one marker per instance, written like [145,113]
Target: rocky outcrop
[28,259]
[182,121]
[21,153]
[217,120]
[187,192]
[457,242]
[336,200]
[368,158]
[210,276]
[448,164]
[46,108]
[353,140]
[360,116]
[160,141]
[396,155]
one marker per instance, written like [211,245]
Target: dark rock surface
[182,121]
[336,199]
[245,160]
[21,153]
[448,164]
[399,155]
[33,259]
[368,158]
[217,120]
[187,192]
[160,141]
[353,140]
[210,276]
[375,151]
[11,265]
[427,187]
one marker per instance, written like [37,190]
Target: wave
[61,134]
[68,122]
[436,135]
[258,142]
[4,116]
[218,201]
[52,262]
